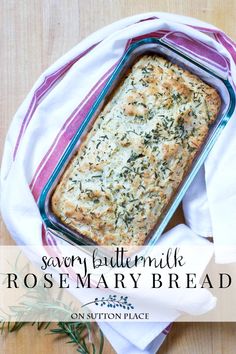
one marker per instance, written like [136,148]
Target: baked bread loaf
[138,151]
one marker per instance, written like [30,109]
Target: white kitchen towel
[210,202]
[196,206]
[58,103]
[122,345]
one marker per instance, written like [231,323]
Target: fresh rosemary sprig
[80,333]
[36,299]
[16,326]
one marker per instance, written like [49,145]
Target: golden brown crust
[134,158]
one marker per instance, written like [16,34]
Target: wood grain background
[34,33]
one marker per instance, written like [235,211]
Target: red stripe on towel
[41,91]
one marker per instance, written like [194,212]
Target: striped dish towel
[56,106]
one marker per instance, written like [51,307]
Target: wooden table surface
[34,33]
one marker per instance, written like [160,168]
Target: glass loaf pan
[175,54]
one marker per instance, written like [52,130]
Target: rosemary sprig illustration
[112,301]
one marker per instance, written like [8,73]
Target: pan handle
[199,52]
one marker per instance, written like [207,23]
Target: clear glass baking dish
[213,71]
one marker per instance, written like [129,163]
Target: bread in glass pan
[141,146]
